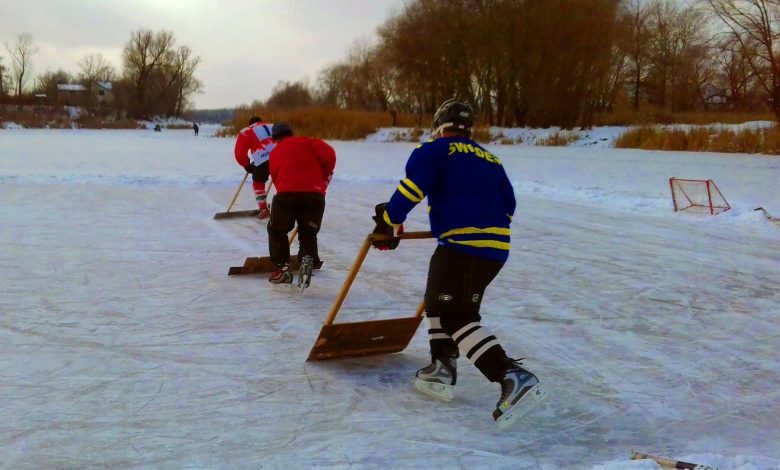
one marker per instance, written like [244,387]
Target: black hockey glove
[383,228]
[251,168]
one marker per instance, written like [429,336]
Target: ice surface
[126,345]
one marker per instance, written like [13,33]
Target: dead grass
[650,115]
[335,124]
[323,123]
[703,139]
[94,123]
[558,139]
[481,134]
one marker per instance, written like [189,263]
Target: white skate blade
[435,389]
[530,400]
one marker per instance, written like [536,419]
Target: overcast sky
[246,46]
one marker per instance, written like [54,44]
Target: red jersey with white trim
[254,144]
[302,165]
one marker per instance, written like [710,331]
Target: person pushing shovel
[253,147]
[473,244]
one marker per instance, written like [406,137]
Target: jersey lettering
[468,149]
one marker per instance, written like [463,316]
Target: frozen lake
[126,345]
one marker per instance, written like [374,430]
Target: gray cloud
[245,46]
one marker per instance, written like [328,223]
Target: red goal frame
[688,202]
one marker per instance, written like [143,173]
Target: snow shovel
[249,213]
[264,264]
[768,216]
[366,338]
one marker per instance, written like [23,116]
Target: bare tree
[142,56]
[94,67]
[156,78]
[676,44]
[612,79]
[47,83]
[636,15]
[181,69]
[21,52]
[735,80]
[755,24]
[290,95]
[335,86]
[528,62]
[366,80]
[173,81]
[3,79]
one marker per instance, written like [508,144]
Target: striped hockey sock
[260,195]
[482,349]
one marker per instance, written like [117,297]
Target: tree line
[157,77]
[558,62]
[517,62]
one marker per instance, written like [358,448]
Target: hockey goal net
[697,195]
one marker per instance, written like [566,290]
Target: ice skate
[281,275]
[521,392]
[438,379]
[307,265]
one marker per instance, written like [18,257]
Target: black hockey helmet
[254,119]
[455,116]
[281,130]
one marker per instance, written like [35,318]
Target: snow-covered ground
[124,344]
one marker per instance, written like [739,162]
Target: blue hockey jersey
[470,199]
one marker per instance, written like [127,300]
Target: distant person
[472,228]
[301,168]
[157,127]
[253,146]
[195,127]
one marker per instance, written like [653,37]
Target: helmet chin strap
[440,130]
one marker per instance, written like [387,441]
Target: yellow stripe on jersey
[413,187]
[408,195]
[473,230]
[386,217]
[483,243]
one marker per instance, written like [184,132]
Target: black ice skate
[307,265]
[438,379]
[281,275]
[521,392]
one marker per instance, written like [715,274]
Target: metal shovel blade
[230,215]
[263,264]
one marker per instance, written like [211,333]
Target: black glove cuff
[380,220]
[383,228]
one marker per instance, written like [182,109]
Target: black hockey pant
[456,284]
[260,175]
[287,210]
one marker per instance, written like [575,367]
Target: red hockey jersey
[302,165]
[255,139]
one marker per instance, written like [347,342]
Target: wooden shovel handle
[359,262]
[230,206]
[241,186]
[420,309]
[292,235]
[348,282]
[404,236]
